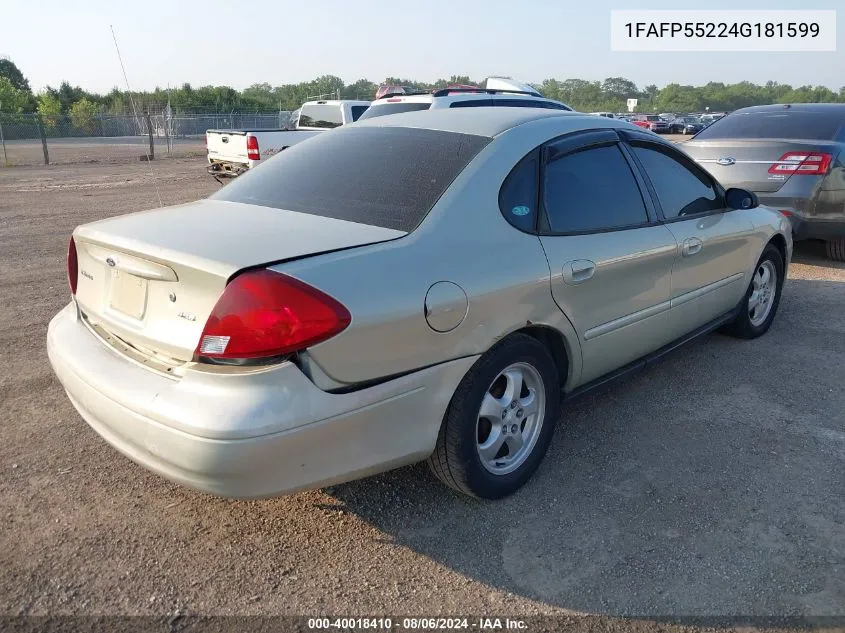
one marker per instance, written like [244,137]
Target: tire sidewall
[773,254]
[482,482]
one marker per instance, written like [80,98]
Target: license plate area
[128,294]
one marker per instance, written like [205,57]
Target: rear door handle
[691,246]
[578,271]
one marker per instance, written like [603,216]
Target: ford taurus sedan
[431,285]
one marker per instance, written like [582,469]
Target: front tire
[762,298]
[500,421]
[836,249]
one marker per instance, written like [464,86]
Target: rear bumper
[247,434]
[808,228]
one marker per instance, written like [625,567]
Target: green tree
[83,114]
[12,99]
[10,71]
[50,108]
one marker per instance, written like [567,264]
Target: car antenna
[135,112]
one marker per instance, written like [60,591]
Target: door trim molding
[628,319]
[699,292]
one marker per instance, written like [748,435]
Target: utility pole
[2,138]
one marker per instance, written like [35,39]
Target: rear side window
[321,115]
[592,190]
[825,125]
[357,111]
[526,103]
[381,176]
[471,103]
[680,189]
[518,196]
[394,108]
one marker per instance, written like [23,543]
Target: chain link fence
[31,139]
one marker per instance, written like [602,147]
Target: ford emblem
[727,161]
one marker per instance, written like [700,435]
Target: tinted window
[357,111]
[320,115]
[527,103]
[393,108]
[822,125]
[591,190]
[382,176]
[680,189]
[518,197]
[471,103]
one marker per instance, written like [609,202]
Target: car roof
[428,97]
[795,107]
[485,121]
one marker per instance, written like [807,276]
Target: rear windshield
[817,125]
[381,176]
[394,108]
[320,115]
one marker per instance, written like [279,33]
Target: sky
[278,41]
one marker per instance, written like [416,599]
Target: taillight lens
[72,266]
[807,163]
[252,152]
[264,314]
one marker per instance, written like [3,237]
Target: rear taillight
[263,314]
[807,163]
[252,152]
[72,266]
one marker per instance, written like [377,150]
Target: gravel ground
[709,485]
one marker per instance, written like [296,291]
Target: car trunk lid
[151,279]
[747,163]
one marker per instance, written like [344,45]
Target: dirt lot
[709,485]
[125,149]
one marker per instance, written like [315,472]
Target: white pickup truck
[232,152]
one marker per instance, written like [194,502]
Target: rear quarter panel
[466,240]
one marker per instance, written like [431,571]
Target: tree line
[610,95]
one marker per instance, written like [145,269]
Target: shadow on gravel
[705,488]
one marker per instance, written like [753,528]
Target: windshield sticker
[520,210]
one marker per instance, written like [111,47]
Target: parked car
[232,152]
[608,115]
[685,125]
[651,122]
[400,290]
[792,156]
[494,91]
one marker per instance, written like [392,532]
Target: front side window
[681,190]
[592,190]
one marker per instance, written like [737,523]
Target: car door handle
[578,271]
[691,246]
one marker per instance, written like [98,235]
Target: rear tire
[762,298]
[836,249]
[500,420]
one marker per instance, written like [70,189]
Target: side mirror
[741,199]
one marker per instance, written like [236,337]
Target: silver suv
[494,91]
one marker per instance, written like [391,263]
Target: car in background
[607,115]
[232,152]
[651,122]
[420,286]
[685,125]
[709,119]
[494,91]
[792,156]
